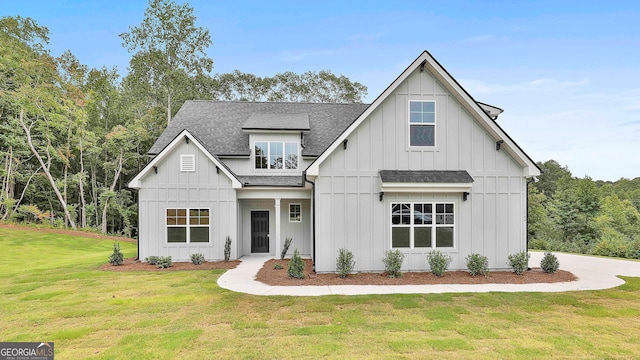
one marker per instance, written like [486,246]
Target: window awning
[425,181]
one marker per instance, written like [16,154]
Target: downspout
[526,225]
[313,221]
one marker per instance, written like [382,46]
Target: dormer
[276,142]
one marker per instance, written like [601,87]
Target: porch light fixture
[155,168]
[498,143]
[381,195]
[217,170]
[465,195]
[344,143]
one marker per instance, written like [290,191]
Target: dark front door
[259,231]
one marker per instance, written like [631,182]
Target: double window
[422,123]
[276,155]
[422,225]
[188,225]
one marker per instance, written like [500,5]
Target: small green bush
[477,264]
[117,257]
[227,249]
[519,262]
[438,262]
[549,263]
[285,247]
[393,262]
[344,263]
[164,262]
[296,266]
[277,266]
[197,259]
[152,260]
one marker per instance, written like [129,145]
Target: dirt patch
[65,232]
[136,265]
[270,276]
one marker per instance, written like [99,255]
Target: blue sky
[566,72]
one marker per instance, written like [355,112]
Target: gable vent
[187,163]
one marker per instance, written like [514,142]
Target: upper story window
[276,155]
[422,123]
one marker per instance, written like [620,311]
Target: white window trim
[433,226]
[284,152]
[300,213]
[187,226]
[435,126]
[184,163]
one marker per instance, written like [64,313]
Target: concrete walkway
[593,274]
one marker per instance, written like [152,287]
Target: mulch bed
[270,276]
[136,265]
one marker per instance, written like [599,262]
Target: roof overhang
[426,61]
[425,181]
[184,135]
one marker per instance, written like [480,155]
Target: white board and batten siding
[170,188]
[350,214]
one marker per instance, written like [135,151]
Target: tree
[166,44]
[552,173]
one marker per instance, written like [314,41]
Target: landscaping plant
[296,266]
[438,262]
[477,264]
[344,263]
[152,260]
[285,247]
[549,263]
[393,262]
[519,262]
[164,262]
[277,266]
[117,257]
[197,259]
[227,249]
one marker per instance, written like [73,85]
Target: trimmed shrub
[519,262]
[117,257]
[393,262]
[549,263]
[296,266]
[152,260]
[277,266]
[344,263]
[164,262]
[227,249]
[285,247]
[438,262]
[197,259]
[477,264]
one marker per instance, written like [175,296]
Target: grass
[52,290]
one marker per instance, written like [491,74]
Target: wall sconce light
[344,143]
[155,168]
[186,138]
[422,66]
[381,195]
[217,170]
[465,195]
[498,143]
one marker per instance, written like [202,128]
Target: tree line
[71,136]
[581,215]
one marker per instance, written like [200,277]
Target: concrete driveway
[593,273]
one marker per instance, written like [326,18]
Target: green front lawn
[52,290]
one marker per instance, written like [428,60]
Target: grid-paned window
[295,213]
[188,225]
[413,225]
[422,123]
[276,155]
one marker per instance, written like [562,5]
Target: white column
[278,246]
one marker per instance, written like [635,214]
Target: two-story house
[423,167]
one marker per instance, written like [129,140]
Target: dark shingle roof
[285,181]
[425,176]
[218,124]
[277,122]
